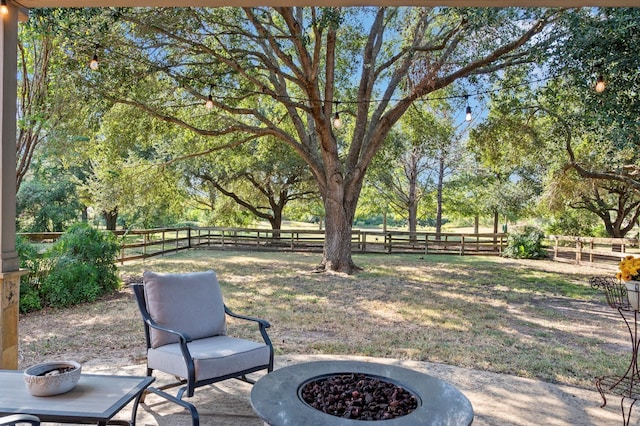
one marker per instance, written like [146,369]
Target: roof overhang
[29,4]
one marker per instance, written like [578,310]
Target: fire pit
[280,398]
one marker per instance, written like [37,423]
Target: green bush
[70,282]
[31,259]
[79,267]
[525,244]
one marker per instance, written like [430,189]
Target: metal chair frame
[19,419]
[189,383]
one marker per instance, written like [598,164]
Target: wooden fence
[590,250]
[143,243]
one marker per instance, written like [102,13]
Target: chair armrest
[182,336]
[20,418]
[263,323]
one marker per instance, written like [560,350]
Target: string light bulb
[337,122]
[468,111]
[94,64]
[600,84]
[4,9]
[209,104]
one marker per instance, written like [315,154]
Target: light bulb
[209,104]
[94,62]
[468,116]
[600,84]
[4,9]
[337,122]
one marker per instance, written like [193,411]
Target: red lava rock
[359,397]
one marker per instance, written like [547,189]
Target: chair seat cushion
[213,357]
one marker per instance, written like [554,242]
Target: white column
[9,262]
[8,87]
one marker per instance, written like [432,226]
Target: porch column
[9,261]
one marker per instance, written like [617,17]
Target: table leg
[626,419]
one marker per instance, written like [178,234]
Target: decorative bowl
[52,378]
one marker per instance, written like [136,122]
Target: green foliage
[31,259]
[525,244]
[48,201]
[70,282]
[78,268]
[573,222]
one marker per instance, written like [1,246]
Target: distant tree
[511,156]
[40,107]
[47,201]
[589,139]
[596,131]
[261,177]
[412,164]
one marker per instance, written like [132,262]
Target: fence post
[388,235]
[426,243]
[189,237]
[555,247]
[363,241]
[578,251]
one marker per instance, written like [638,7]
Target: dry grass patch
[530,318]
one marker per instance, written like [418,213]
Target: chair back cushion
[190,303]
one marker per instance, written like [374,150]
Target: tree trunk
[412,203]
[110,218]
[439,195]
[339,216]
[384,219]
[276,223]
[413,219]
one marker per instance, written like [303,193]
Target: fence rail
[143,243]
[591,250]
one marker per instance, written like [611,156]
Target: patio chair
[186,334]
[19,419]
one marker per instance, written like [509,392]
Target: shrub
[31,259]
[525,244]
[79,267]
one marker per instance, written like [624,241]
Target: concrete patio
[497,399]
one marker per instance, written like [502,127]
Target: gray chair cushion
[213,357]
[191,303]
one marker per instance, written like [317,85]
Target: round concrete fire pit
[276,397]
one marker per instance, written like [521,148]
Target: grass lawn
[534,319]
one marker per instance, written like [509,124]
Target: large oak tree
[284,73]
